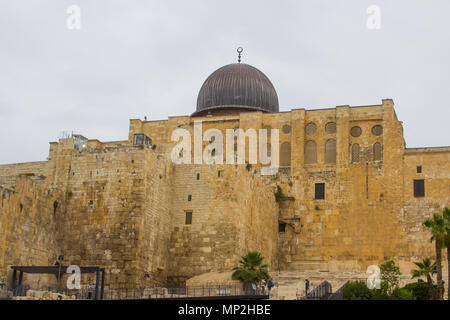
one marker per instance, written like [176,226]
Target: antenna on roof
[239,50]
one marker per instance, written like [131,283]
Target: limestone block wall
[231,214]
[31,217]
[109,191]
[357,223]
[155,225]
[435,170]
[10,172]
[124,207]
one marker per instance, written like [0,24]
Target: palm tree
[436,224]
[251,270]
[446,216]
[427,269]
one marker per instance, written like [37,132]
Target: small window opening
[319,191]
[419,188]
[188,217]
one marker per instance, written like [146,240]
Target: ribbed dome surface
[237,86]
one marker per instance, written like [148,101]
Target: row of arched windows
[330,152]
[311,151]
[377,152]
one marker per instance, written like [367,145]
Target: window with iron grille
[377,151]
[320,191]
[419,169]
[419,188]
[355,153]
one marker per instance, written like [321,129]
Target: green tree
[390,277]
[436,225]
[251,269]
[426,269]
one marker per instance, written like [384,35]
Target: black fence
[339,294]
[219,292]
[321,292]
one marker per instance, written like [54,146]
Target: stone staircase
[290,284]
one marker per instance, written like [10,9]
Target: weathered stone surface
[122,207]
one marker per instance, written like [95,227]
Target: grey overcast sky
[132,59]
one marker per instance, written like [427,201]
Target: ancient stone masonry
[348,194]
[124,207]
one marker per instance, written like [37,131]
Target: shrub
[420,290]
[279,194]
[402,294]
[357,290]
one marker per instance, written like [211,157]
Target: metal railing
[321,292]
[339,294]
[219,291]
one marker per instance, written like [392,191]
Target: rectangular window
[188,217]
[419,188]
[320,191]
[189,197]
[419,169]
[218,173]
[141,139]
[198,176]
[282,227]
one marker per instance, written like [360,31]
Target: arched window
[377,151]
[310,152]
[285,155]
[355,152]
[330,151]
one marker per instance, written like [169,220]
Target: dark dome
[236,87]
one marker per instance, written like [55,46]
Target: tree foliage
[251,269]
[390,277]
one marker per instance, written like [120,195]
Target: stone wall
[231,214]
[31,217]
[10,172]
[117,214]
[123,207]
